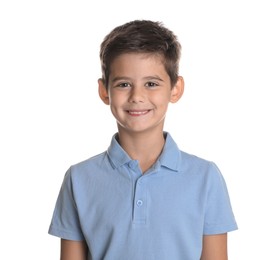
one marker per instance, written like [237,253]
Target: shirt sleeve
[219,217]
[65,221]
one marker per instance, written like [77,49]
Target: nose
[137,95]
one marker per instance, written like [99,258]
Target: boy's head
[141,36]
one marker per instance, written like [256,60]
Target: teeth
[137,112]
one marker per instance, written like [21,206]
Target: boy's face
[139,91]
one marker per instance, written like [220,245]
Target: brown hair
[141,36]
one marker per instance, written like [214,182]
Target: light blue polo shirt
[161,215]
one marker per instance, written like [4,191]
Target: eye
[151,84]
[123,85]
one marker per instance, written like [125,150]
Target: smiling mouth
[137,112]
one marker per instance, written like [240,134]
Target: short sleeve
[219,217]
[65,221]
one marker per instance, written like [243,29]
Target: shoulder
[198,167]
[194,161]
[88,166]
[95,160]
[85,176]
[186,163]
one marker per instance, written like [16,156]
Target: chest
[168,199]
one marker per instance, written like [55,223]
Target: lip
[136,112]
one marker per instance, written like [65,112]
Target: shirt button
[139,203]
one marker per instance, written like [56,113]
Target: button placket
[139,216]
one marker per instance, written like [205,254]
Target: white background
[51,115]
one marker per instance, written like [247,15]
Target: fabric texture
[123,214]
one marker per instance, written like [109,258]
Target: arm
[214,247]
[73,250]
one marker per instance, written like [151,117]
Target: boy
[143,198]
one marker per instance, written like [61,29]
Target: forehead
[130,63]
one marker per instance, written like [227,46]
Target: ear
[103,93]
[177,90]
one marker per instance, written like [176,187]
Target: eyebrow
[155,77]
[120,78]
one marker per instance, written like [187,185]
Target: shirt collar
[116,154]
[169,158]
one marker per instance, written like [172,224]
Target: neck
[144,147]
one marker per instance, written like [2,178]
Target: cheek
[162,99]
[114,99]
[116,102]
